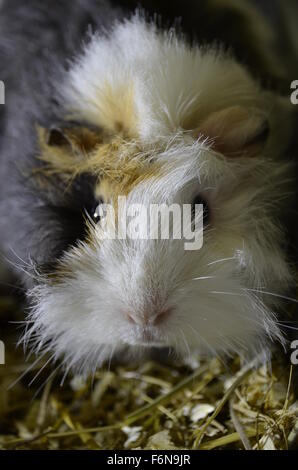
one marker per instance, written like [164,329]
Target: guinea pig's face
[109,294]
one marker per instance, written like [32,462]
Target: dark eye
[96,213]
[199,199]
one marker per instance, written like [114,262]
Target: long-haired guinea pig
[138,113]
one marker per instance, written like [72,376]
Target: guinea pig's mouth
[148,338]
[151,344]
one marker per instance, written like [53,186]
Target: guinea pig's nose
[149,319]
[162,316]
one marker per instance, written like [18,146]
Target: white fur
[170,80]
[212,291]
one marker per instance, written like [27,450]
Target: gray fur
[37,40]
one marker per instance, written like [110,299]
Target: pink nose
[146,319]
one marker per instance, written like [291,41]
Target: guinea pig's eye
[96,212]
[199,199]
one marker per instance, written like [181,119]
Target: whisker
[31,366]
[212,349]
[224,293]
[25,263]
[187,349]
[220,260]
[202,278]
[52,374]
[64,376]
[40,370]
[20,322]
[111,356]
[258,304]
[274,294]
[12,286]
[283,325]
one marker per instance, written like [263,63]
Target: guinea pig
[140,114]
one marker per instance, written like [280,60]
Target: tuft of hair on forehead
[113,159]
[117,108]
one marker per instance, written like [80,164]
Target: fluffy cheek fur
[83,318]
[215,294]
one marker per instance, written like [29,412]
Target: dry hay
[146,406]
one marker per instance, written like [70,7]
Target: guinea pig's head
[207,285]
[176,128]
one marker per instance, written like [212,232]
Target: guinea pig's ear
[236,131]
[78,139]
